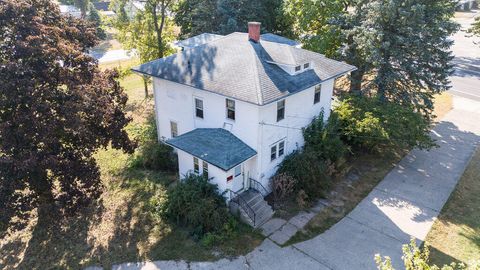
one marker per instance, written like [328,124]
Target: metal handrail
[259,187]
[240,201]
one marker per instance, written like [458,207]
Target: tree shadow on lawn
[116,228]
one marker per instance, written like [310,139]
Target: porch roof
[216,146]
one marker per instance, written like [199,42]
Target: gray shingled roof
[216,146]
[198,40]
[279,39]
[235,67]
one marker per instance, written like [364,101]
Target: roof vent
[254,31]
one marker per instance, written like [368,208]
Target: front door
[246,180]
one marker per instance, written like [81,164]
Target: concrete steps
[263,211]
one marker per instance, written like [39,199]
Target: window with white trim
[281,148]
[280,110]
[205,169]
[298,68]
[273,152]
[230,104]
[238,170]
[173,129]
[316,97]
[307,65]
[196,166]
[277,150]
[199,108]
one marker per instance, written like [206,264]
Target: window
[199,108]
[196,168]
[307,65]
[273,153]
[230,109]
[316,97]
[173,129]
[297,68]
[205,169]
[281,148]
[280,110]
[238,170]
[277,150]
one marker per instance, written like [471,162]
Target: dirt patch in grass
[455,236]
[366,172]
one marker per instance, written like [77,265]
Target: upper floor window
[205,169]
[196,166]
[173,129]
[230,109]
[297,68]
[316,97]
[280,110]
[273,152]
[199,108]
[307,65]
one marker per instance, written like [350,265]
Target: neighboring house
[196,41]
[70,10]
[104,8]
[466,5]
[234,107]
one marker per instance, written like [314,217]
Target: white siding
[299,112]
[217,175]
[176,102]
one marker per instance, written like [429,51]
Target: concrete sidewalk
[407,202]
[404,205]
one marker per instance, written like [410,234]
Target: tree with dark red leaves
[56,108]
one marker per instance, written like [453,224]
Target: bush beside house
[357,125]
[195,204]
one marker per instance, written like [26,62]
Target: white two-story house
[234,107]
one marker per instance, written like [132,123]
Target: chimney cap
[254,23]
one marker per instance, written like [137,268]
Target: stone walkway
[404,205]
[280,230]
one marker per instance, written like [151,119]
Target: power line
[332,133]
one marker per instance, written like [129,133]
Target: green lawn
[455,236]
[121,226]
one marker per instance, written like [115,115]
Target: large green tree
[315,23]
[150,32]
[405,43]
[56,108]
[227,16]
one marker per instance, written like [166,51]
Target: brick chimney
[254,31]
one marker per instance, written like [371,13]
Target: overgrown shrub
[366,123]
[415,258]
[282,185]
[196,204]
[309,171]
[152,154]
[324,138]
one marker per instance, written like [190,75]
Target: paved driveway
[466,80]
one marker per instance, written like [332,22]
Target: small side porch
[250,204]
[230,164]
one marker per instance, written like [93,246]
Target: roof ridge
[257,81]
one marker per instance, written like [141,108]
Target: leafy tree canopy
[227,16]
[56,107]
